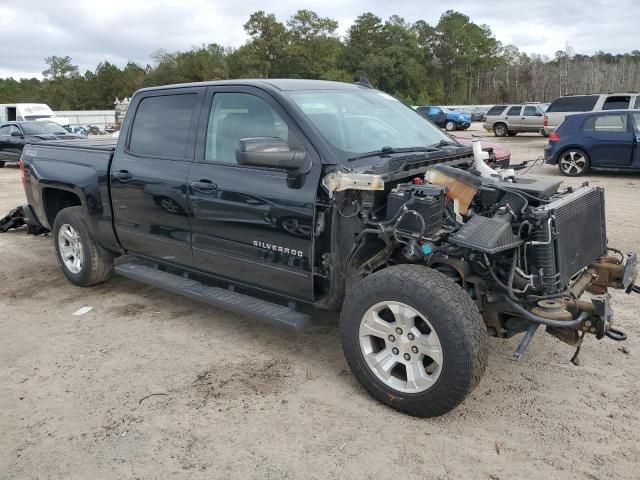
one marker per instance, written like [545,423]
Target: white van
[11,112]
[570,104]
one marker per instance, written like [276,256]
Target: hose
[545,321]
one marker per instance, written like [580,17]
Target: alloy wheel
[71,249]
[573,163]
[400,347]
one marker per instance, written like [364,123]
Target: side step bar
[272,313]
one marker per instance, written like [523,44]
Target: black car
[15,135]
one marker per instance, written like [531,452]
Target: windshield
[37,128]
[357,122]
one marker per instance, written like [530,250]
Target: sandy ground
[232,398]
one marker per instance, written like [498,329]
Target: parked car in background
[450,120]
[606,140]
[570,104]
[15,135]
[478,114]
[21,112]
[499,155]
[510,119]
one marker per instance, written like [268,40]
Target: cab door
[609,139]
[531,119]
[253,225]
[635,161]
[149,174]
[513,117]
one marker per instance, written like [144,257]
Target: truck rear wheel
[414,339]
[82,261]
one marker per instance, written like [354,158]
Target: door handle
[204,186]
[123,175]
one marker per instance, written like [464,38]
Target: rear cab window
[162,126]
[496,110]
[577,103]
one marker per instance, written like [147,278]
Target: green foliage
[455,61]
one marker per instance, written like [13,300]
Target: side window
[616,103]
[637,105]
[235,116]
[13,129]
[636,119]
[577,103]
[161,126]
[607,124]
[531,112]
[497,110]
[514,110]
[4,130]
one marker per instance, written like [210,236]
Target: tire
[512,133]
[543,133]
[80,258]
[573,162]
[450,126]
[1,164]
[443,308]
[500,130]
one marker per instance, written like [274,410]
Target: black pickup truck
[275,197]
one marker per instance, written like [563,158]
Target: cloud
[123,30]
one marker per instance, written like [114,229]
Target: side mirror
[269,152]
[16,134]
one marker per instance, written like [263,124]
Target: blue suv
[607,139]
[448,119]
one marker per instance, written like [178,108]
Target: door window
[636,119]
[514,110]
[4,130]
[14,129]
[235,116]
[637,105]
[616,103]
[162,125]
[531,112]
[607,124]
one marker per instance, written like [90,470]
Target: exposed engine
[523,249]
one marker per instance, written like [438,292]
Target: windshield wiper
[444,143]
[390,150]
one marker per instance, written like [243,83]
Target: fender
[86,183]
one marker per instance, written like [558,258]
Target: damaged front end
[527,252]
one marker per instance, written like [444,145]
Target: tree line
[455,61]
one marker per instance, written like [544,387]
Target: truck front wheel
[414,339]
[82,261]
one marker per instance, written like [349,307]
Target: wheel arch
[55,199]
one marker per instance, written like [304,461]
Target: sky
[122,30]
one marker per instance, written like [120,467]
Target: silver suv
[510,120]
[570,104]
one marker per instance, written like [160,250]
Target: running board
[272,313]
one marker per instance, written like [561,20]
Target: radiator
[576,223]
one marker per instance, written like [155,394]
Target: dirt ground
[153,385]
